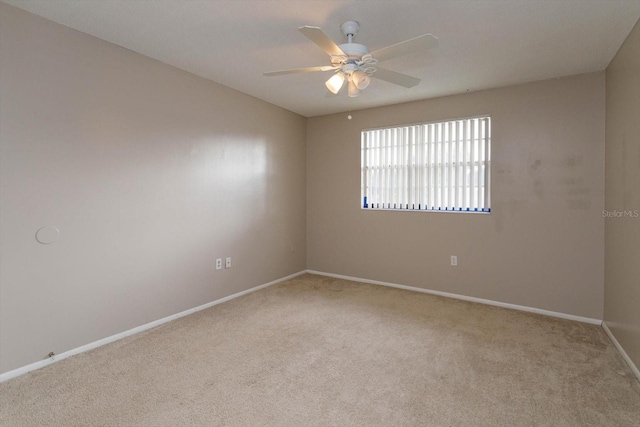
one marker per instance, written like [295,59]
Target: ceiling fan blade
[316,35]
[423,42]
[300,70]
[395,77]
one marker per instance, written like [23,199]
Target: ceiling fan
[354,63]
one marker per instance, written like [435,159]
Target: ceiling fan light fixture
[335,82]
[361,79]
[353,89]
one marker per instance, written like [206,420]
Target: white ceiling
[483,44]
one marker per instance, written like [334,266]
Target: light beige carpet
[316,351]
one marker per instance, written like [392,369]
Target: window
[443,166]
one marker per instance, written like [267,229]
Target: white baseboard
[615,342]
[623,353]
[42,363]
[465,298]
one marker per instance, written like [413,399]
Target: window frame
[448,177]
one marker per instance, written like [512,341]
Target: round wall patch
[47,234]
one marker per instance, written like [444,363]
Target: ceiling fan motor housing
[354,50]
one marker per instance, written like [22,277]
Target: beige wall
[622,241]
[149,172]
[542,246]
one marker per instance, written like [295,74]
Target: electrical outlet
[219,264]
[454,260]
[228,263]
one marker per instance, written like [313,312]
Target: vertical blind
[443,166]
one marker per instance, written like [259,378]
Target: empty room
[319,213]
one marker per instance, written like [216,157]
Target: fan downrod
[353,50]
